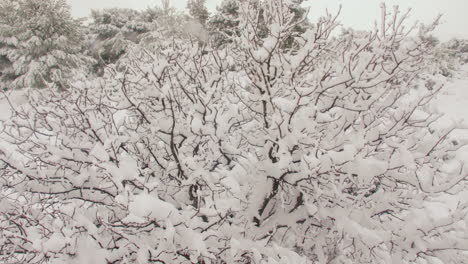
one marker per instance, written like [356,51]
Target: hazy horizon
[358,14]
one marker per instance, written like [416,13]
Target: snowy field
[452,102]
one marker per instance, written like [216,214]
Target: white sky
[359,14]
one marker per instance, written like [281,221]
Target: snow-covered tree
[113,31]
[40,42]
[198,10]
[224,23]
[244,154]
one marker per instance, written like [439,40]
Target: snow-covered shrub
[459,49]
[443,61]
[447,58]
[246,154]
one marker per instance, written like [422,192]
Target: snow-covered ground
[16,98]
[453,103]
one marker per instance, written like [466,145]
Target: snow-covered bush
[443,60]
[448,57]
[246,154]
[459,49]
[40,41]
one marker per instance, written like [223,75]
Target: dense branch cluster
[279,146]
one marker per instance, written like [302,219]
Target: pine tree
[113,30]
[300,14]
[198,10]
[224,24]
[39,43]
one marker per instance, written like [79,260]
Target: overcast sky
[359,14]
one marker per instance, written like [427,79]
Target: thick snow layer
[15,97]
[453,103]
[150,206]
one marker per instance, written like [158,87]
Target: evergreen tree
[198,10]
[39,43]
[300,14]
[114,29]
[224,24]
